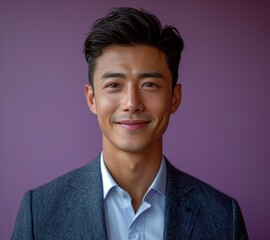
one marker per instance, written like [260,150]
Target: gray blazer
[71,207]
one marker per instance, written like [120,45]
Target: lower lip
[133,127]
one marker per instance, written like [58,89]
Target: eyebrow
[140,76]
[151,75]
[113,75]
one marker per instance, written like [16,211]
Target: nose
[131,100]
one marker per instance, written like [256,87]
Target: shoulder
[183,183]
[74,180]
[218,216]
[50,210]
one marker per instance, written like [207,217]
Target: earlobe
[176,98]
[90,98]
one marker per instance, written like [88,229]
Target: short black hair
[132,27]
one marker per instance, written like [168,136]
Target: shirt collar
[159,183]
[107,180]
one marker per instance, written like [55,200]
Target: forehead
[131,59]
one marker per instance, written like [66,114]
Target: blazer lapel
[182,206]
[85,198]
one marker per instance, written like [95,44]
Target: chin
[133,149]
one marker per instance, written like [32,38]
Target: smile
[132,125]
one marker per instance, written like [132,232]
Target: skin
[133,100]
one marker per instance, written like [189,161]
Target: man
[130,191]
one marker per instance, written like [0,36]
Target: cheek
[106,105]
[159,105]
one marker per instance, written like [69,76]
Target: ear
[90,98]
[176,98]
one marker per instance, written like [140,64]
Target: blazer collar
[182,205]
[85,198]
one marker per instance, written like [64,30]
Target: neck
[133,171]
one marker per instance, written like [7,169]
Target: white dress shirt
[122,222]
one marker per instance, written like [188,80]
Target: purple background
[221,133]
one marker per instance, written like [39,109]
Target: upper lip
[132,121]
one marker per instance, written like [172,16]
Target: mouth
[132,124]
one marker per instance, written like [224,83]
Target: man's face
[133,97]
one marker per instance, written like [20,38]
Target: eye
[149,85]
[112,85]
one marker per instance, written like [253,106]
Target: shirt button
[133,235]
[121,194]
